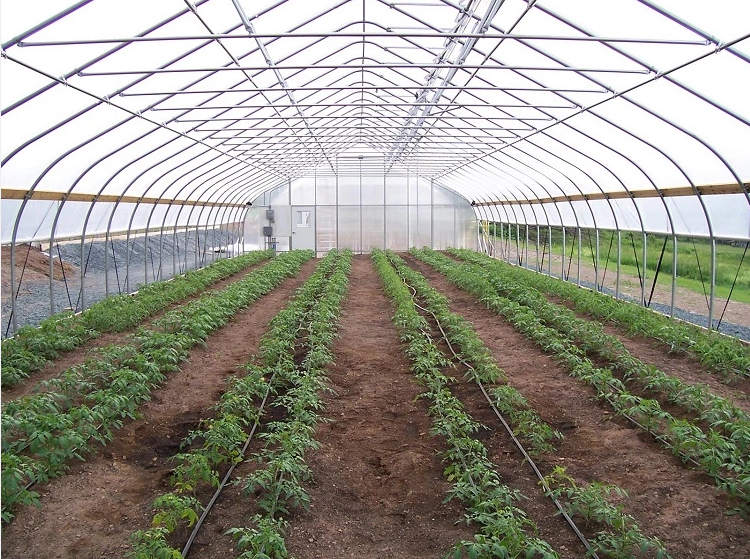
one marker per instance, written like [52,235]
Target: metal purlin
[166,189]
[409,129]
[702,98]
[484,24]
[80,114]
[549,193]
[614,214]
[68,152]
[248,26]
[606,146]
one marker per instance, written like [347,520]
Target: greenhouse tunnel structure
[142,139]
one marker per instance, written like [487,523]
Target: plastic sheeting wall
[367,211]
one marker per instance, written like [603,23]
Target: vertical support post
[712,298]
[564,251]
[83,274]
[361,244]
[502,246]
[106,264]
[597,265]
[385,216]
[432,214]
[578,267]
[549,250]
[674,275]
[526,245]
[645,267]
[538,265]
[619,263]
[145,256]
[197,243]
[174,248]
[127,262]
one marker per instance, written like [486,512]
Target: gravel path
[737,330]
[33,303]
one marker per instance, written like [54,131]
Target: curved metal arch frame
[676,126]
[214,192]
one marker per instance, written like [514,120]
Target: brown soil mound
[36,263]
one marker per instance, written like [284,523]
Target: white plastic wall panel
[444,230]
[466,227]
[397,227]
[373,227]
[279,196]
[349,190]
[733,223]
[396,190]
[373,190]
[325,190]
[326,230]
[282,225]
[349,228]
[303,192]
[424,192]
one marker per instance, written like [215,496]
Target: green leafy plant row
[306,324]
[538,435]
[505,530]
[722,354]
[719,412]
[43,432]
[31,347]
[621,536]
[715,454]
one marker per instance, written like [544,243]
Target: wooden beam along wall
[704,190]
[20,194]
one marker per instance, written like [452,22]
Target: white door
[303,227]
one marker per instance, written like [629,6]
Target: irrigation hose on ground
[225,480]
[512,435]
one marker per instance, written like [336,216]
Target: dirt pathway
[379,485]
[91,512]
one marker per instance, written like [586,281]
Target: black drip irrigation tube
[509,429]
[225,480]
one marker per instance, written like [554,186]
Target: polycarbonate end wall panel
[325,190]
[397,227]
[349,228]
[373,227]
[326,231]
[444,227]
[373,190]
[303,191]
[396,190]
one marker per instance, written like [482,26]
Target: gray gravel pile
[736,330]
[142,257]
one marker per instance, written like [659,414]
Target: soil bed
[378,488]
[678,505]
[79,354]
[91,512]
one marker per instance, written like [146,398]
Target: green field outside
[693,258]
